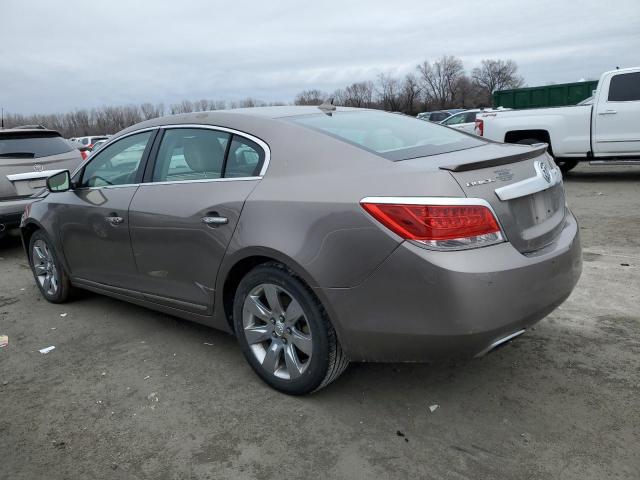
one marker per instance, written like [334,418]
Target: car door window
[245,158]
[454,120]
[116,164]
[625,87]
[190,154]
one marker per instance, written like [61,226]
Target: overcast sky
[62,55]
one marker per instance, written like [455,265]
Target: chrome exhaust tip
[2,227]
[500,341]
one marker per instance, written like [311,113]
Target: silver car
[27,157]
[316,235]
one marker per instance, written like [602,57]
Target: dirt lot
[130,393]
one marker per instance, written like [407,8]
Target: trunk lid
[523,186]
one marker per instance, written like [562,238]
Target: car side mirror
[59,182]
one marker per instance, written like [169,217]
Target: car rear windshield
[392,136]
[32,145]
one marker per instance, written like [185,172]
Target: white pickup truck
[605,129]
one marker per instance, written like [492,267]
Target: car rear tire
[284,332]
[48,272]
[563,165]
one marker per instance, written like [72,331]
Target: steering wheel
[98,177]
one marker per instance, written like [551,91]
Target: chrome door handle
[114,220]
[215,221]
[608,112]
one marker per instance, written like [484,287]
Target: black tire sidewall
[317,369]
[62,293]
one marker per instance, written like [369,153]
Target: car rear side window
[29,145]
[625,87]
[190,154]
[245,158]
[394,137]
[438,116]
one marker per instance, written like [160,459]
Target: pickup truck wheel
[563,165]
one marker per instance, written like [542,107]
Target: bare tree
[389,93]
[410,94]
[493,75]
[310,97]
[359,94]
[150,111]
[440,80]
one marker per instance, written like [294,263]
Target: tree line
[431,86]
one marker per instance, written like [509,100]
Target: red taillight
[438,226]
[84,155]
[479,128]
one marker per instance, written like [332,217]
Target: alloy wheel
[45,267]
[277,331]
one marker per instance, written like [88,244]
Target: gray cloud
[58,56]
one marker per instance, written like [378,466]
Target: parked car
[317,235]
[465,120]
[606,130]
[89,141]
[438,115]
[97,144]
[27,157]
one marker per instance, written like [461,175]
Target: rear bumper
[421,305]
[11,212]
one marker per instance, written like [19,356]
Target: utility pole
[2,124]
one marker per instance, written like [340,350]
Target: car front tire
[284,332]
[48,272]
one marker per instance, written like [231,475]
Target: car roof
[246,119]
[28,129]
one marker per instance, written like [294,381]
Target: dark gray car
[316,235]
[28,155]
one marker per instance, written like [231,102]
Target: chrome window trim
[263,145]
[202,180]
[248,136]
[531,185]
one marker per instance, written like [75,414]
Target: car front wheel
[284,332]
[50,277]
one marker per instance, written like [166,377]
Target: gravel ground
[130,393]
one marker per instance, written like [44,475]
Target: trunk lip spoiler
[536,150]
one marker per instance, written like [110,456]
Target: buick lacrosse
[316,235]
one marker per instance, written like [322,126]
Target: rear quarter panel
[307,207]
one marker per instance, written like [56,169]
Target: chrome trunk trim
[17,177]
[545,178]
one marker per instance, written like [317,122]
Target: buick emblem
[37,167]
[544,170]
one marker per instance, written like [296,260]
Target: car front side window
[116,164]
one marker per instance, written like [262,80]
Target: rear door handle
[608,112]
[114,220]
[215,221]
